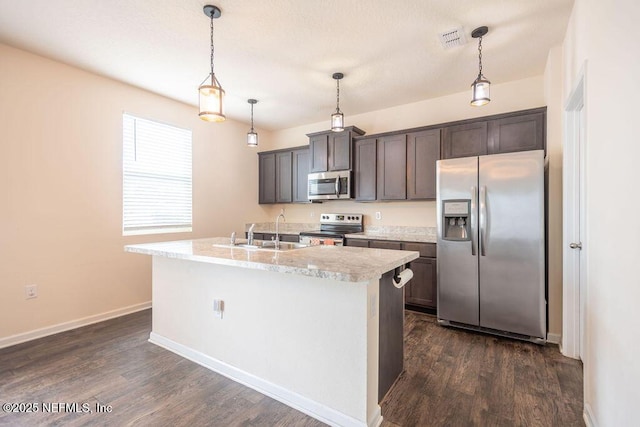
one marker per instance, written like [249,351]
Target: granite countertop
[342,263]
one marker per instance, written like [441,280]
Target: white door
[574,215]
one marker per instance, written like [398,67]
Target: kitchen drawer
[362,243]
[384,244]
[426,249]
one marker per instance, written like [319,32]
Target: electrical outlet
[31,291]
[378,215]
[218,308]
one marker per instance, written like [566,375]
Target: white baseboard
[554,338]
[587,416]
[73,324]
[303,404]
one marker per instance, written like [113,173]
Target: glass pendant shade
[211,101]
[252,139]
[337,121]
[480,91]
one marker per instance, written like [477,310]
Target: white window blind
[156,177]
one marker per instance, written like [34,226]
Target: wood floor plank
[451,378]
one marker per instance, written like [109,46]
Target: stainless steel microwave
[329,185]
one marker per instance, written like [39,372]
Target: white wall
[553,95]
[604,35]
[61,190]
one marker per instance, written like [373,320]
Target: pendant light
[252,136]
[480,89]
[210,92]
[337,118]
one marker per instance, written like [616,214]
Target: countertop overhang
[342,263]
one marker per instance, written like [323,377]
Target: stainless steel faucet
[277,238]
[250,235]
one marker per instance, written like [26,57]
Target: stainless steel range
[333,228]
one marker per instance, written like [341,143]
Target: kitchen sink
[264,245]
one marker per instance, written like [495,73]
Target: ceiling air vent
[452,38]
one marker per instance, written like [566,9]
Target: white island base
[310,343]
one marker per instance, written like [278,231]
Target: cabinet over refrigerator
[491,244]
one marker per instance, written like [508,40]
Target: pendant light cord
[480,55]
[338,95]
[252,118]
[212,46]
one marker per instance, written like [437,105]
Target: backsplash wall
[410,214]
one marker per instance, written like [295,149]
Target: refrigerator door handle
[483,220]
[474,219]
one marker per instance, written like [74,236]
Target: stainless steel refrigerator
[491,244]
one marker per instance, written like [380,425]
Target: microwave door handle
[337,186]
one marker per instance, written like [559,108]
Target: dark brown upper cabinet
[364,169]
[300,175]
[283,176]
[267,178]
[392,167]
[284,184]
[518,133]
[465,140]
[339,157]
[504,133]
[331,151]
[397,166]
[319,153]
[423,151]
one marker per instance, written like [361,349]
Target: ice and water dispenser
[456,219]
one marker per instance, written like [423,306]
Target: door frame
[574,272]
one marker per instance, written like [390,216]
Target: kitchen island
[317,328]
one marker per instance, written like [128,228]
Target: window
[156,177]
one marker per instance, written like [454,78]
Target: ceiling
[283,52]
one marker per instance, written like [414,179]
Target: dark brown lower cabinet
[361,243]
[422,290]
[385,244]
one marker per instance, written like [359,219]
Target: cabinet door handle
[474,219]
[576,245]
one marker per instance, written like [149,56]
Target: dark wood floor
[452,378]
[460,378]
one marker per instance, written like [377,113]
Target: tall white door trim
[574,280]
